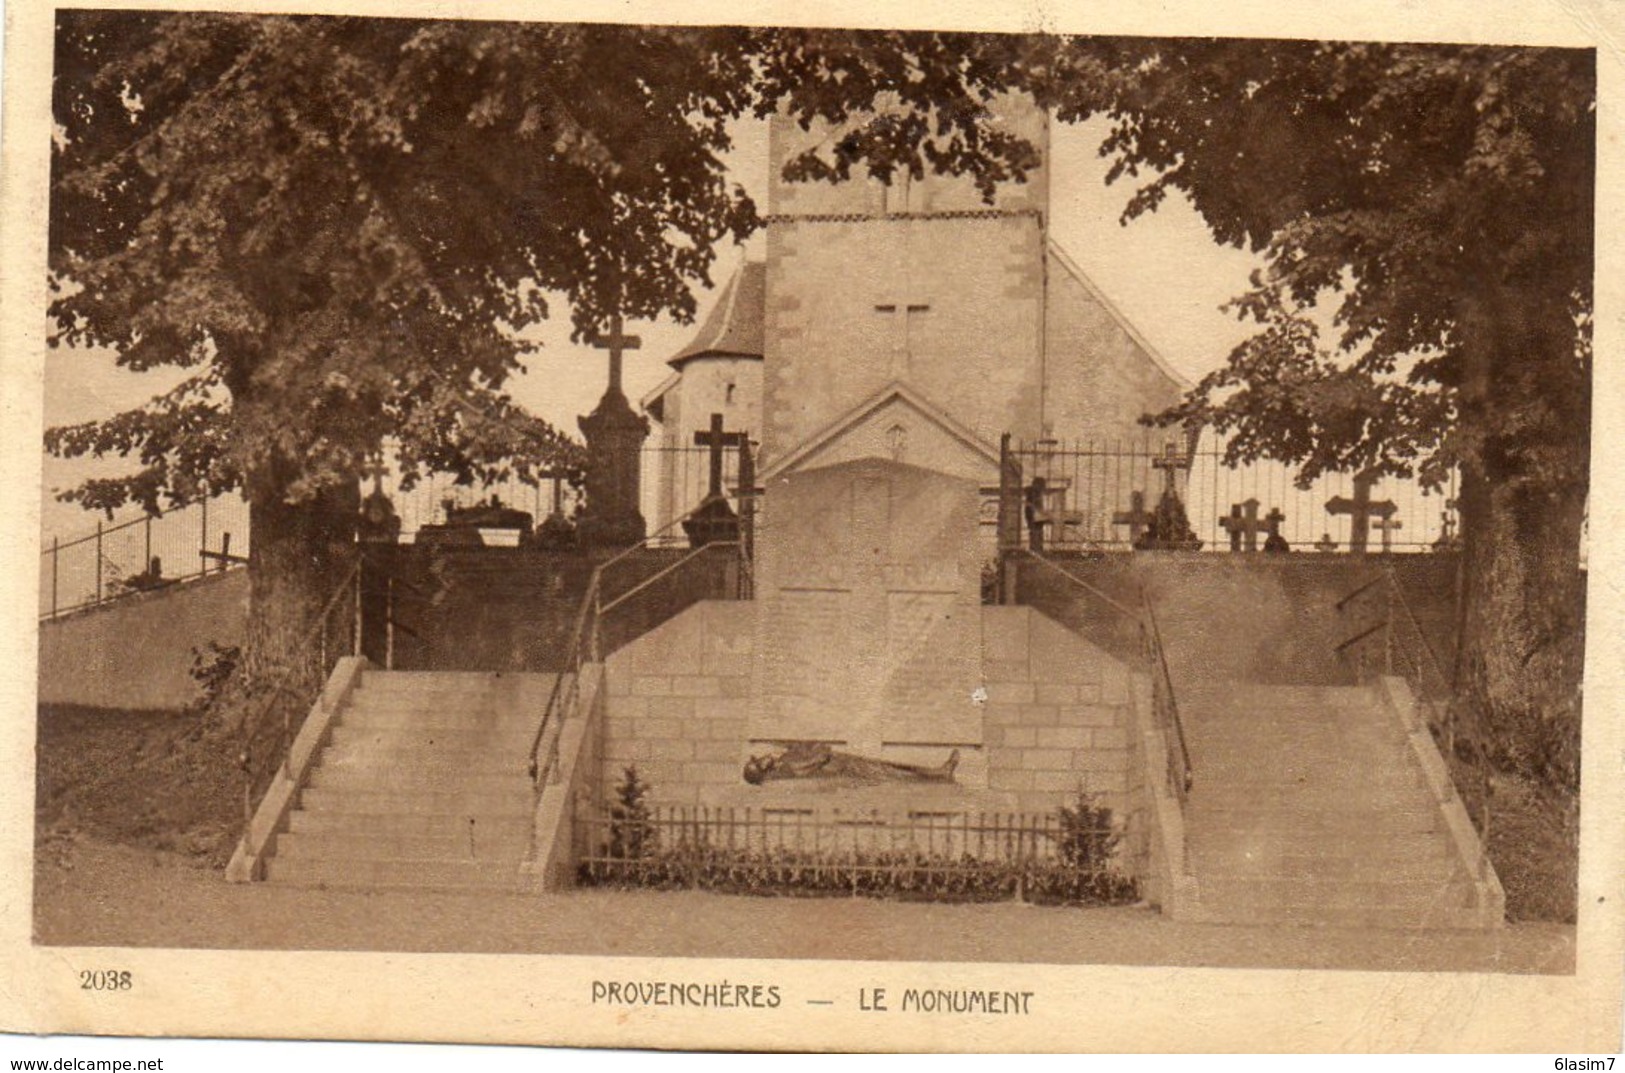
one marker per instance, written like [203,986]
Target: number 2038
[105,980]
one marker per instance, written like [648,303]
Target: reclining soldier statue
[816,760]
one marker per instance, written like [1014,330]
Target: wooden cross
[1386,526]
[1170,461]
[1325,545]
[901,354]
[716,439]
[1136,517]
[617,342]
[1361,509]
[1243,525]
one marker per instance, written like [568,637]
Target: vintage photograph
[785,492]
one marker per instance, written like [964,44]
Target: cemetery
[886,591]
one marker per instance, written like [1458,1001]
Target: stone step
[1242,692]
[372,678]
[1434,866]
[396,780]
[1207,819]
[439,719]
[1251,891]
[428,759]
[1210,844]
[408,825]
[1309,731]
[450,701]
[1263,753]
[478,844]
[505,740]
[1231,772]
[430,874]
[1293,797]
[1365,918]
[452,803]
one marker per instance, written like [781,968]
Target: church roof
[1071,268]
[734,327]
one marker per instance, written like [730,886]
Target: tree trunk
[1520,655]
[300,557]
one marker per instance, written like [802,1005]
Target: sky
[1163,271]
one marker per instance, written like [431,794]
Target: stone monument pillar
[615,435]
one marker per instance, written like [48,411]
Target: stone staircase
[1311,808]
[423,784]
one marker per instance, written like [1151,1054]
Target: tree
[336,226]
[1441,198]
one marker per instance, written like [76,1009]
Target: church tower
[903,335]
[921,283]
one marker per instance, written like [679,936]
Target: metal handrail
[1120,608]
[693,553]
[1349,642]
[563,695]
[280,684]
[1396,597]
[1185,777]
[1181,772]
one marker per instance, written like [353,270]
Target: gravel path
[94,894]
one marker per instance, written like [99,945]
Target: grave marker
[1361,509]
[615,436]
[1137,518]
[1243,525]
[714,519]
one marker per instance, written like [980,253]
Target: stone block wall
[677,701]
[1058,715]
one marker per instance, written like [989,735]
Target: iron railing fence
[677,479]
[1092,491]
[141,554]
[1084,856]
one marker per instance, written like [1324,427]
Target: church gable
[896,425]
[1101,374]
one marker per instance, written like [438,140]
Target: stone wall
[1057,714]
[136,652]
[514,609]
[676,704]
[1264,618]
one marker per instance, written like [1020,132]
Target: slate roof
[735,325]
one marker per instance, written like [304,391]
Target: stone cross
[617,342]
[716,440]
[1386,526]
[1136,517]
[1243,525]
[1170,461]
[1325,545]
[1361,509]
[902,354]
[1275,542]
[614,433]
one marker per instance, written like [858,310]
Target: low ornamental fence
[1100,495]
[1075,857]
[143,554]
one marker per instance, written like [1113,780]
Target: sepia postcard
[849,527]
